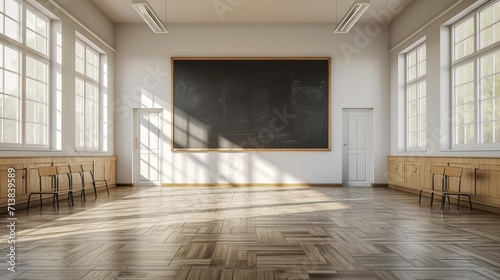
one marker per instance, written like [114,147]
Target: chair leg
[470,202]
[443,200]
[83,195]
[40,201]
[95,189]
[432,198]
[458,202]
[56,195]
[70,194]
[107,189]
[28,205]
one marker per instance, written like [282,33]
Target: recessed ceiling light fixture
[355,12]
[149,16]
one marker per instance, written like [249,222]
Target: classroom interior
[111,167]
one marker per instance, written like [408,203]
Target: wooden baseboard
[249,185]
[125,185]
[380,185]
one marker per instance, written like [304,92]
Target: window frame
[473,58]
[98,83]
[25,51]
[416,82]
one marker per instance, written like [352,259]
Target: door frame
[135,143]
[369,144]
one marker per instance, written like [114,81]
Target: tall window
[476,79]
[87,97]
[24,76]
[416,107]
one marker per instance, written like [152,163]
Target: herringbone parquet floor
[254,233]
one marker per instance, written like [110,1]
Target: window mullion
[22,65]
[477,105]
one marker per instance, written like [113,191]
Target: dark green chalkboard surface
[250,104]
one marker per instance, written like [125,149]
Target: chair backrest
[455,173]
[75,168]
[438,169]
[87,167]
[63,169]
[452,171]
[47,171]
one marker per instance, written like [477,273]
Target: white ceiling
[244,11]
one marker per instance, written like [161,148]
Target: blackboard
[250,103]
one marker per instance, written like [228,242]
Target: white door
[147,147]
[357,163]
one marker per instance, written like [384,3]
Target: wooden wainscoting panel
[27,178]
[480,176]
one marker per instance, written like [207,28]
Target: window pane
[12,59]
[464,74]
[41,44]
[470,134]
[470,93]
[11,131]
[30,89]
[423,138]
[423,105]
[460,115]
[41,26]
[489,24]
[11,107]
[487,87]
[460,135]
[31,39]
[412,140]
[469,114]
[487,110]
[412,108]
[412,73]
[422,65]
[12,9]
[464,39]
[30,20]
[11,83]
[497,132]
[487,133]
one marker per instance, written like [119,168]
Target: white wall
[438,75]
[83,10]
[93,18]
[360,79]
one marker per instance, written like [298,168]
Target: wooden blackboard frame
[241,149]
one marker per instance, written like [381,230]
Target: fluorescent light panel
[355,12]
[149,16]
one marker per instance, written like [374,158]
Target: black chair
[437,172]
[63,171]
[454,174]
[77,169]
[87,168]
[46,172]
